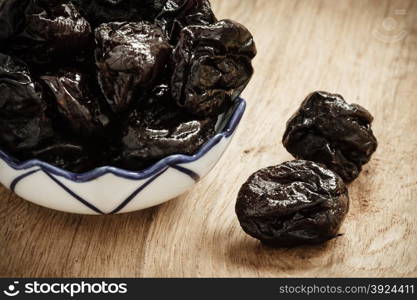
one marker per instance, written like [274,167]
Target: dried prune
[49,28]
[105,11]
[78,102]
[117,97]
[327,130]
[63,153]
[23,121]
[212,66]
[295,203]
[129,57]
[171,15]
[11,12]
[174,15]
[159,129]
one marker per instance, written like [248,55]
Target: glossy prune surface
[174,15]
[11,12]
[49,28]
[295,203]
[106,11]
[90,83]
[212,66]
[159,129]
[328,130]
[23,121]
[63,153]
[129,57]
[77,102]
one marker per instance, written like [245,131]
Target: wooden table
[365,50]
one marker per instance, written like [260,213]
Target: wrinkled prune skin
[212,66]
[98,12]
[174,15]
[63,153]
[78,102]
[11,12]
[129,57]
[87,83]
[106,11]
[327,130]
[292,204]
[159,129]
[52,30]
[23,122]
[171,15]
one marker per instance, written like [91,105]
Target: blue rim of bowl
[229,129]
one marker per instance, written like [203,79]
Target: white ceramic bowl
[109,190]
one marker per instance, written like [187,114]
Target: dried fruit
[295,203]
[327,130]
[105,11]
[129,58]
[49,28]
[177,14]
[23,122]
[117,97]
[78,102]
[65,154]
[212,66]
[160,129]
[11,12]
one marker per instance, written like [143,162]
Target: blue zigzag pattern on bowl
[150,173]
[20,178]
[135,193]
[189,172]
[125,202]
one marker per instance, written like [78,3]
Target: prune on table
[327,130]
[159,129]
[129,57]
[78,102]
[295,203]
[177,14]
[52,30]
[23,121]
[212,66]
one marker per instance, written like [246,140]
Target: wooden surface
[349,47]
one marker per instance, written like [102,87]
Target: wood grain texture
[302,46]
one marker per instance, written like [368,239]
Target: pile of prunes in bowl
[88,83]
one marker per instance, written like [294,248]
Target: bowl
[110,190]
